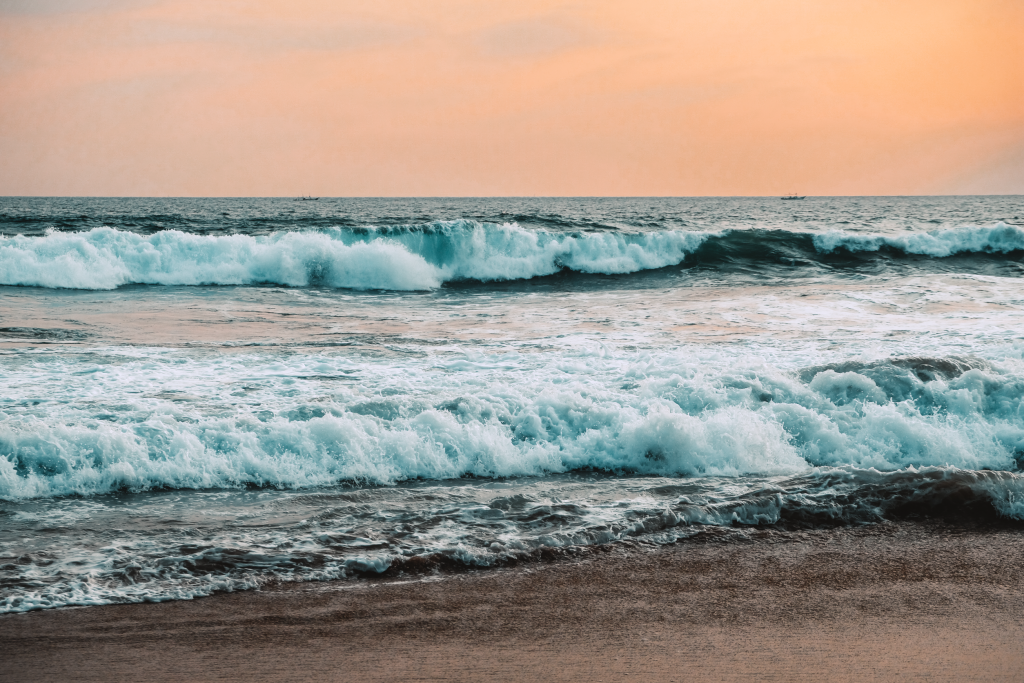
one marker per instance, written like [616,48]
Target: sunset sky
[477,97]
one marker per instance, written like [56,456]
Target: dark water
[210,394]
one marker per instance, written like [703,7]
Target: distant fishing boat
[791,196]
[309,199]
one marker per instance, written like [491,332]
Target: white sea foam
[402,257]
[468,250]
[489,416]
[398,259]
[999,238]
[105,258]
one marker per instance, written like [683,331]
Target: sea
[208,395]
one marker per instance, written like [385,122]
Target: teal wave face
[426,256]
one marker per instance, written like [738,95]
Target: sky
[525,98]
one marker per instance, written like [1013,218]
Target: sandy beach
[891,602]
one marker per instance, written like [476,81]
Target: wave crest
[679,421]
[423,257]
[104,258]
[1000,239]
[402,258]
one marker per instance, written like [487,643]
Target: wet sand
[901,602]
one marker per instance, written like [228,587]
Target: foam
[403,258]
[1000,238]
[211,542]
[104,258]
[541,414]
[414,257]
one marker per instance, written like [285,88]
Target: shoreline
[907,601]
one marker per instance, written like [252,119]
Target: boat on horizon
[791,196]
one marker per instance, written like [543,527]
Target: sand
[903,602]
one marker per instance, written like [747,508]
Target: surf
[495,416]
[426,256]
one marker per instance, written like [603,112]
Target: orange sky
[479,97]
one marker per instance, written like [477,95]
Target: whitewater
[408,258]
[208,395]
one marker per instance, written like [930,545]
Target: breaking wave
[676,420]
[424,257]
[997,239]
[396,258]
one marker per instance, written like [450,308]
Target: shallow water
[208,395]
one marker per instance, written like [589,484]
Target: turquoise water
[207,395]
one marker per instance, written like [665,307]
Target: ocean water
[200,395]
